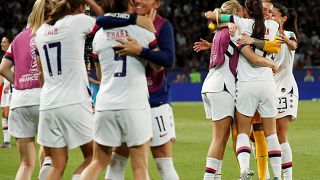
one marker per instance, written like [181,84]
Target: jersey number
[53,45]
[123,73]
[160,123]
[283,103]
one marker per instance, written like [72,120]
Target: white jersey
[61,48]
[123,83]
[221,78]
[246,70]
[284,79]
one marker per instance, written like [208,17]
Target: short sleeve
[85,24]
[9,55]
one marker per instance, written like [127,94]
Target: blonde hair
[39,13]
[228,7]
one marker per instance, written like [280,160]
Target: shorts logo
[162,135]
[283,89]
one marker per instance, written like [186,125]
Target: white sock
[286,160]
[274,152]
[212,166]
[44,169]
[115,170]
[253,150]
[6,134]
[243,151]
[218,172]
[76,177]
[166,168]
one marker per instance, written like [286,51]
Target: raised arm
[95,7]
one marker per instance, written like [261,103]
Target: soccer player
[159,89]
[24,109]
[60,42]
[5,99]
[262,99]
[286,86]
[122,108]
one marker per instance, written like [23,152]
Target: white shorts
[70,126]
[288,105]
[218,105]
[162,125]
[113,127]
[23,121]
[258,95]
[5,99]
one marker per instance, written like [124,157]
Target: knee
[282,137]
[161,151]
[28,163]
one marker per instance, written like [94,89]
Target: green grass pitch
[193,139]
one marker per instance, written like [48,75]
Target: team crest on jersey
[283,89]
[33,66]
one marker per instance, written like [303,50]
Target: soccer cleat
[246,175]
[276,178]
[5,145]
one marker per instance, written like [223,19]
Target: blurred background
[189,26]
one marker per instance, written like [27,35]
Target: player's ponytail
[64,8]
[254,8]
[291,23]
[292,17]
[39,14]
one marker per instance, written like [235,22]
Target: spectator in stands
[309,77]
[195,76]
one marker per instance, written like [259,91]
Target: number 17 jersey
[61,50]
[123,83]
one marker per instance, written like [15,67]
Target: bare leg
[87,150]
[139,161]
[101,158]
[59,157]
[27,152]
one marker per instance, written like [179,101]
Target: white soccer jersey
[123,83]
[284,78]
[246,70]
[61,48]
[220,78]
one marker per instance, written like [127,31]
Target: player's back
[246,70]
[61,48]
[123,83]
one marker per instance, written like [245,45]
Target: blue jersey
[158,86]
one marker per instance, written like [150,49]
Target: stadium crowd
[189,26]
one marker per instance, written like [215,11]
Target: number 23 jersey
[123,82]
[61,48]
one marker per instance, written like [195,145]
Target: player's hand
[201,45]
[6,89]
[147,21]
[245,39]
[210,15]
[283,39]
[128,47]
[152,14]
[232,29]
[274,67]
